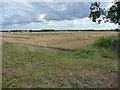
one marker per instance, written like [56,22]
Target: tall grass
[111,42]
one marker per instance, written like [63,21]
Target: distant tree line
[52,30]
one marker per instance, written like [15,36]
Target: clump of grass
[111,42]
[83,53]
[106,53]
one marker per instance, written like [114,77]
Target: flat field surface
[57,60]
[69,40]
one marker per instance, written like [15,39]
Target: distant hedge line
[52,30]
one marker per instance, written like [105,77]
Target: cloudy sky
[49,15]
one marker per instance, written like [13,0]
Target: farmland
[69,40]
[57,60]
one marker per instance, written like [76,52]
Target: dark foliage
[108,15]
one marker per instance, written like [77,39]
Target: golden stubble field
[71,40]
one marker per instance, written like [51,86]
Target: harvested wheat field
[69,40]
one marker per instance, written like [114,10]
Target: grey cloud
[18,13]
[28,12]
[19,19]
[63,10]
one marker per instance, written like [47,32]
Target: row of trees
[43,30]
[56,30]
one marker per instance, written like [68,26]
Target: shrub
[111,42]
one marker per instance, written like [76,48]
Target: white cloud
[41,17]
[84,23]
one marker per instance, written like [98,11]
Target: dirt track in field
[69,40]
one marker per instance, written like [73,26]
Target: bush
[111,42]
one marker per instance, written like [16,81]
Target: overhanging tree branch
[111,14]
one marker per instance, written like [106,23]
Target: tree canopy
[111,14]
